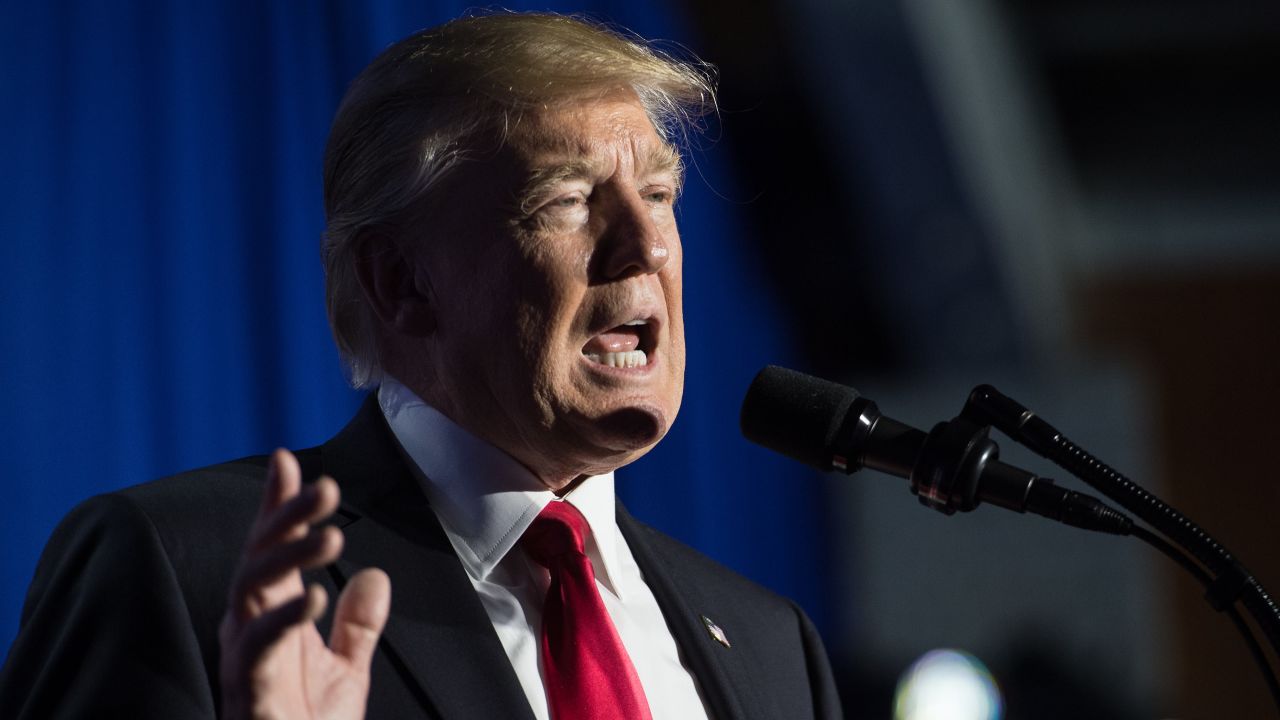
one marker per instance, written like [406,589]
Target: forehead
[599,129]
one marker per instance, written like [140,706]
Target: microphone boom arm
[1231,581]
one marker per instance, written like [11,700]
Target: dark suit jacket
[121,619]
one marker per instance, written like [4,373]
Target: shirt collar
[483,497]
[594,498]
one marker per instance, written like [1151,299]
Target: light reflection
[947,685]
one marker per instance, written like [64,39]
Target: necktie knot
[560,529]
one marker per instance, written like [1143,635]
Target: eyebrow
[663,158]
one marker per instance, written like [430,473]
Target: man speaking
[503,266]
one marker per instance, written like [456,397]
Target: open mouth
[628,345]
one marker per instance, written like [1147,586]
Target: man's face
[555,283]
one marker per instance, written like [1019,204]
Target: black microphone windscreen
[795,414]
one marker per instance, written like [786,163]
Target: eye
[568,209]
[658,196]
[571,199]
[568,201]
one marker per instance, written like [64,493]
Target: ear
[391,283]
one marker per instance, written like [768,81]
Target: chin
[618,436]
[633,428]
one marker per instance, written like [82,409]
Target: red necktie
[586,669]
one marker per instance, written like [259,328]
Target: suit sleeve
[105,630]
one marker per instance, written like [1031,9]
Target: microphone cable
[1225,579]
[1183,559]
[1230,582]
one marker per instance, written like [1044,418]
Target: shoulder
[777,664]
[183,532]
[691,566]
[194,498]
[129,592]
[195,506]
[213,499]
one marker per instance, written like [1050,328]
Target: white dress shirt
[485,500]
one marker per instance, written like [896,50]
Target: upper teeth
[633,323]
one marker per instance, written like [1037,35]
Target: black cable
[1230,580]
[1205,579]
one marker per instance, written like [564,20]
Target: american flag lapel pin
[715,632]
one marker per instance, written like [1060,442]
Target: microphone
[952,467]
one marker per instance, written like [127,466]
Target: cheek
[549,303]
[673,289]
[549,258]
[552,273]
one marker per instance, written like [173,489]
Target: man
[503,263]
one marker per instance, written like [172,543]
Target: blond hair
[406,122]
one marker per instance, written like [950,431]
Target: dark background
[1078,201]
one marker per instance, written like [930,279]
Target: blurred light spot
[947,685]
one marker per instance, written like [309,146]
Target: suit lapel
[438,635]
[709,661]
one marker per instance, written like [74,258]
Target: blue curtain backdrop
[161,304]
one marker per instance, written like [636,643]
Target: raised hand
[274,662]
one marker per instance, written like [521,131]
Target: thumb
[360,616]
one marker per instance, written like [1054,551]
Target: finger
[284,478]
[313,503]
[253,585]
[361,615]
[267,629]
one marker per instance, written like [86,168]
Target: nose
[632,243]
